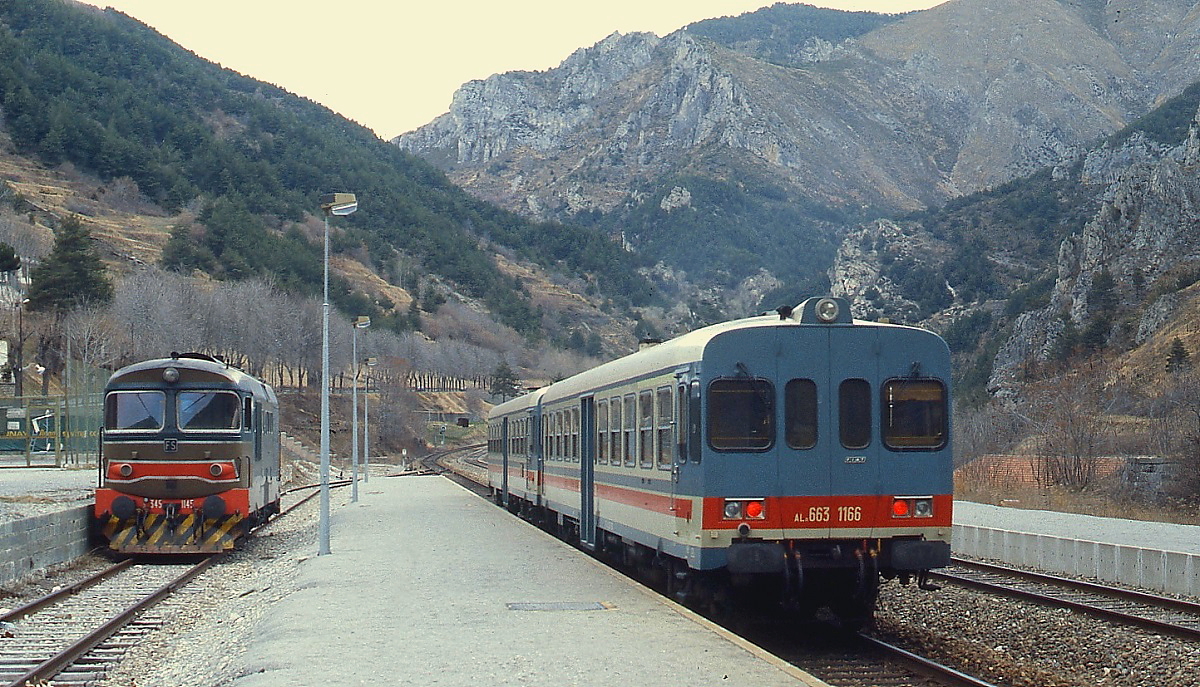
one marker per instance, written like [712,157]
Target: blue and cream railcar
[802,452]
[190,456]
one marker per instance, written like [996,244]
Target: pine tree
[72,274]
[504,382]
[1177,358]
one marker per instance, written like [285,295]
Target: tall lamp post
[366,424]
[19,374]
[361,323]
[339,204]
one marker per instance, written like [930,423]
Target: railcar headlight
[923,508]
[170,375]
[827,310]
[215,469]
[126,470]
[747,509]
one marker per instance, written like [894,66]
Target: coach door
[587,472]
[504,451]
[855,446]
[534,454]
[805,444]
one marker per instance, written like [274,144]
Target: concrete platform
[1157,556]
[427,584]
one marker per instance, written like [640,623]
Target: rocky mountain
[649,137]
[1131,269]
[1100,254]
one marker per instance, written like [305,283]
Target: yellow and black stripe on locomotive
[190,456]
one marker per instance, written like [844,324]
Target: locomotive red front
[190,456]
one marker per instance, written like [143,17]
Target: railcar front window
[800,413]
[854,413]
[209,410]
[741,414]
[135,410]
[914,414]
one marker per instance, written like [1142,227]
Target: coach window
[854,413]
[614,432]
[914,414]
[681,423]
[575,434]
[134,410]
[208,410]
[800,413]
[556,436]
[666,421]
[741,414]
[646,428]
[630,424]
[602,431]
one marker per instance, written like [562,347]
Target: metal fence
[61,430]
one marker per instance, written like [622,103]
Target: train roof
[140,371]
[687,348]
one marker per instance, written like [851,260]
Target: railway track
[1158,613]
[72,635]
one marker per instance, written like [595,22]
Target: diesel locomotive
[190,456]
[795,458]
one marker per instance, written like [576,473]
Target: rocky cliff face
[960,97]
[1146,232]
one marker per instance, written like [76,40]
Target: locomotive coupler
[171,510]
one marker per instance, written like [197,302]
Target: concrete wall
[1162,571]
[32,543]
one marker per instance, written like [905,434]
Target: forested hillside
[100,91]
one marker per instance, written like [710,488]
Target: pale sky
[393,65]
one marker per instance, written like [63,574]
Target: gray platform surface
[418,590]
[1162,536]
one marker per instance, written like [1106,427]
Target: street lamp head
[371,362]
[362,322]
[339,203]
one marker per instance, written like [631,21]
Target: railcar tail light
[749,509]
[912,507]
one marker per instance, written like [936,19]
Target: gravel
[1026,645]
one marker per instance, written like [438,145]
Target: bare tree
[1072,434]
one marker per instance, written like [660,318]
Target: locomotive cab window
[209,410]
[134,410]
[914,414]
[741,414]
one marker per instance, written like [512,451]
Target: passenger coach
[794,457]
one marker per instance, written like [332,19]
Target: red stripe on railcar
[823,512]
